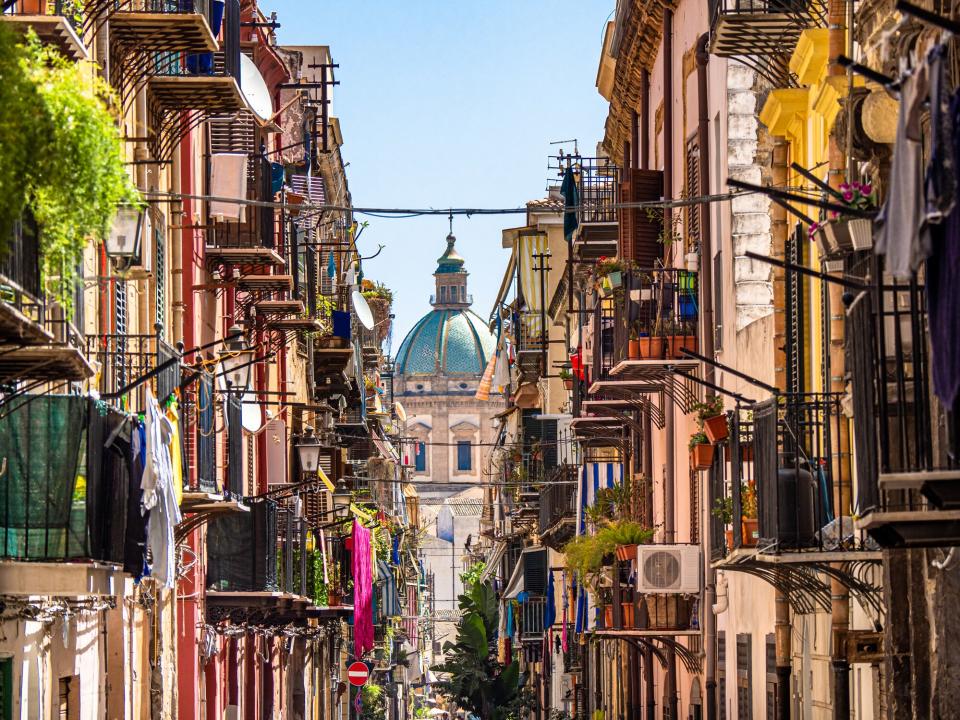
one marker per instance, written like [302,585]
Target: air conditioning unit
[669,569]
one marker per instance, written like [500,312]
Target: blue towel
[550,611]
[509,629]
[341,324]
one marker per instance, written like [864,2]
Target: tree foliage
[60,153]
[475,680]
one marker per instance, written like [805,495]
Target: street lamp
[341,495]
[308,450]
[124,240]
[236,360]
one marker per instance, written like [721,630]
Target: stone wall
[747,160]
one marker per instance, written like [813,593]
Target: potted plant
[846,233]
[712,419]
[749,525]
[723,511]
[610,269]
[701,451]
[633,345]
[334,598]
[624,536]
[567,378]
[678,339]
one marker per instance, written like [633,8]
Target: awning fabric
[529,246]
[493,560]
[515,583]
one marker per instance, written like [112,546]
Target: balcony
[64,495]
[558,507]
[242,551]
[530,619]
[908,472]
[250,241]
[598,182]
[55,24]
[530,334]
[125,359]
[762,34]
[659,308]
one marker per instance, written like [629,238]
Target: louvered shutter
[535,571]
[639,230]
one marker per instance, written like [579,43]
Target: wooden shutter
[535,571]
[232,134]
[640,231]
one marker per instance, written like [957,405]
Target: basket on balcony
[668,612]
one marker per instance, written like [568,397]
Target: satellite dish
[250,416]
[254,89]
[362,309]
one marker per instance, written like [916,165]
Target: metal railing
[259,226]
[900,426]
[657,308]
[599,184]
[242,550]
[558,500]
[785,491]
[530,331]
[531,618]
[123,359]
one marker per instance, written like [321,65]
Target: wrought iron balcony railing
[123,359]
[787,491]
[763,33]
[558,501]
[657,309]
[20,283]
[908,445]
[56,22]
[242,550]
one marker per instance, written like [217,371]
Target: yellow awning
[326,481]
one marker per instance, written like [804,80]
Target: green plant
[606,265]
[585,555]
[475,680]
[711,408]
[471,576]
[699,438]
[374,704]
[60,155]
[565,374]
[376,291]
[723,509]
[624,532]
[748,500]
[597,513]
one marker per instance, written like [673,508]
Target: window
[744,684]
[443,293]
[420,458]
[6,688]
[463,455]
[68,709]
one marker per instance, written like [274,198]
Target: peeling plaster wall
[750,214]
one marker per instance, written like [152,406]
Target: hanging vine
[60,155]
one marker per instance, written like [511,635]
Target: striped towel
[483,390]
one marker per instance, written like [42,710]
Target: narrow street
[316,404]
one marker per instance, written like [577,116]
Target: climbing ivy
[60,154]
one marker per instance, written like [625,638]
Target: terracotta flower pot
[333,598]
[651,348]
[677,343]
[701,456]
[627,616]
[608,616]
[568,383]
[626,553]
[750,532]
[716,428]
[633,350]
[728,538]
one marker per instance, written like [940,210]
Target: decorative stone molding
[750,214]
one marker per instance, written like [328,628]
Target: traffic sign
[358,673]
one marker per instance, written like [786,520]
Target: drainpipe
[707,335]
[647,460]
[177,220]
[644,140]
[723,600]
[669,525]
[140,155]
[839,593]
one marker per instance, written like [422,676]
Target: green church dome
[451,341]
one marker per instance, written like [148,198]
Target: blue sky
[452,104]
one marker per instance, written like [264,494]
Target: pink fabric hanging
[362,591]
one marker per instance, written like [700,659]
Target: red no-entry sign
[358,673]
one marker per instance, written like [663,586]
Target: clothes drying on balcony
[362,591]
[159,495]
[228,179]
